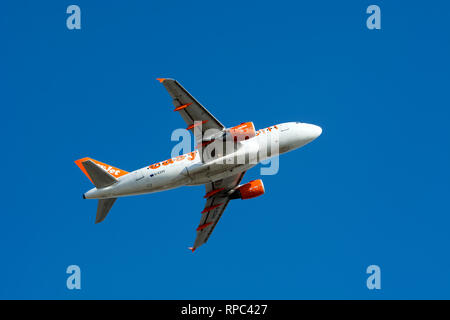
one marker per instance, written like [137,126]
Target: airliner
[219,161]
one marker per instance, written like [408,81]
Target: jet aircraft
[220,160]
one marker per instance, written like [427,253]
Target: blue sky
[373,189]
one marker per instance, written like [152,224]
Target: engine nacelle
[243,131]
[252,189]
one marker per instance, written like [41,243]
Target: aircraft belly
[148,181]
[208,174]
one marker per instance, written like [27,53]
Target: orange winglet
[192,249]
[183,106]
[213,192]
[203,226]
[161,79]
[196,124]
[211,208]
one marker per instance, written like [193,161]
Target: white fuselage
[189,169]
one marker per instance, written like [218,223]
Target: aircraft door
[139,174]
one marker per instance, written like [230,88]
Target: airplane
[220,160]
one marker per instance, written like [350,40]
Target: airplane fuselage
[189,169]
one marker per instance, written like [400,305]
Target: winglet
[161,79]
[192,249]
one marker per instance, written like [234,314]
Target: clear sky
[373,189]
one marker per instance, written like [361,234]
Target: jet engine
[252,189]
[243,131]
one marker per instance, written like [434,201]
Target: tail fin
[100,174]
[104,205]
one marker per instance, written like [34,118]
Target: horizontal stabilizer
[104,205]
[99,177]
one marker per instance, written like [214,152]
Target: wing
[216,203]
[192,112]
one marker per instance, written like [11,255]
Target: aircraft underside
[221,158]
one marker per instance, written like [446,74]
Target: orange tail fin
[115,172]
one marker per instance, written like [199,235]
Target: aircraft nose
[311,131]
